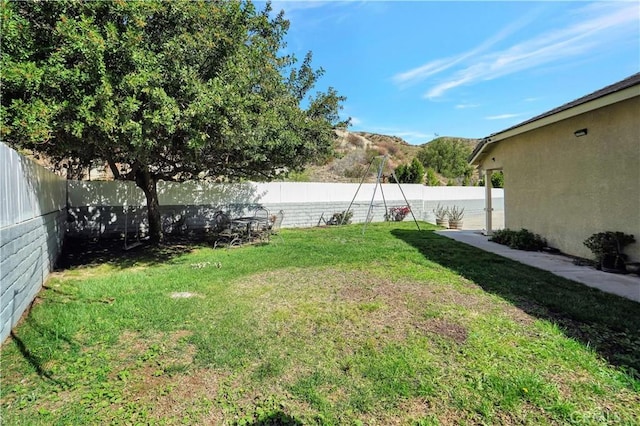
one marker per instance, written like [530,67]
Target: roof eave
[612,98]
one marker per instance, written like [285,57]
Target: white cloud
[355,121]
[467,106]
[297,12]
[422,72]
[594,26]
[502,116]
[434,67]
[415,137]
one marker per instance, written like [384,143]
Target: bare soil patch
[357,304]
[444,328]
[161,374]
[184,295]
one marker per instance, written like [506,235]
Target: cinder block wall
[108,208]
[32,227]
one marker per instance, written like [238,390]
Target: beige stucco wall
[566,188]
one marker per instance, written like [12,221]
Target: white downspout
[487,198]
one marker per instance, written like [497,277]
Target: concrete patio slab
[627,286]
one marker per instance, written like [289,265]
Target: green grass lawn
[329,326]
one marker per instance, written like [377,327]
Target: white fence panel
[32,227]
[99,206]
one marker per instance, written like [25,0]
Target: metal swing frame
[382,159]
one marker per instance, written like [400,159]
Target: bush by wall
[520,240]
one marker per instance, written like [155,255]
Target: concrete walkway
[627,286]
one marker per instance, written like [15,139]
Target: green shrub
[410,173]
[497,179]
[355,172]
[447,156]
[432,178]
[371,154]
[520,240]
[608,248]
[502,236]
[341,218]
[302,176]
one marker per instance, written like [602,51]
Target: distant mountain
[355,152]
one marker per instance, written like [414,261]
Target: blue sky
[419,69]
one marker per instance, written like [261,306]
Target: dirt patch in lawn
[445,328]
[159,372]
[357,304]
[184,295]
[179,396]
[162,348]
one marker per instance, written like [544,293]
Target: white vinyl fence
[32,227]
[107,208]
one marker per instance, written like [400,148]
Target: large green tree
[410,173]
[161,90]
[447,156]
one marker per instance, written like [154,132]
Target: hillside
[355,150]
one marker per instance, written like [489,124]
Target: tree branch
[114,168]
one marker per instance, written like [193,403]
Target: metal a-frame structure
[381,159]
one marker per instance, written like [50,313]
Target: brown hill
[355,152]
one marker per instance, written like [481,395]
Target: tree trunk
[147,183]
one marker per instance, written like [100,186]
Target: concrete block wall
[308,214]
[29,252]
[32,228]
[103,208]
[109,221]
[302,215]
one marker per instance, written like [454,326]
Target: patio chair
[260,224]
[262,214]
[228,234]
[274,229]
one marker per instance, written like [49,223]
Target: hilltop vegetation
[443,160]
[448,157]
[440,162]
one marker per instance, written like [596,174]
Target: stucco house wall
[565,187]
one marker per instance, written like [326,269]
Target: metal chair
[228,234]
[274,229]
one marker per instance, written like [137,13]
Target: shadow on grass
[35,362]
[32,358]
[79,252]
[607,323]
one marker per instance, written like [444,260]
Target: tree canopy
[410,173]
[161,90]
[431,179]
[447,156]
